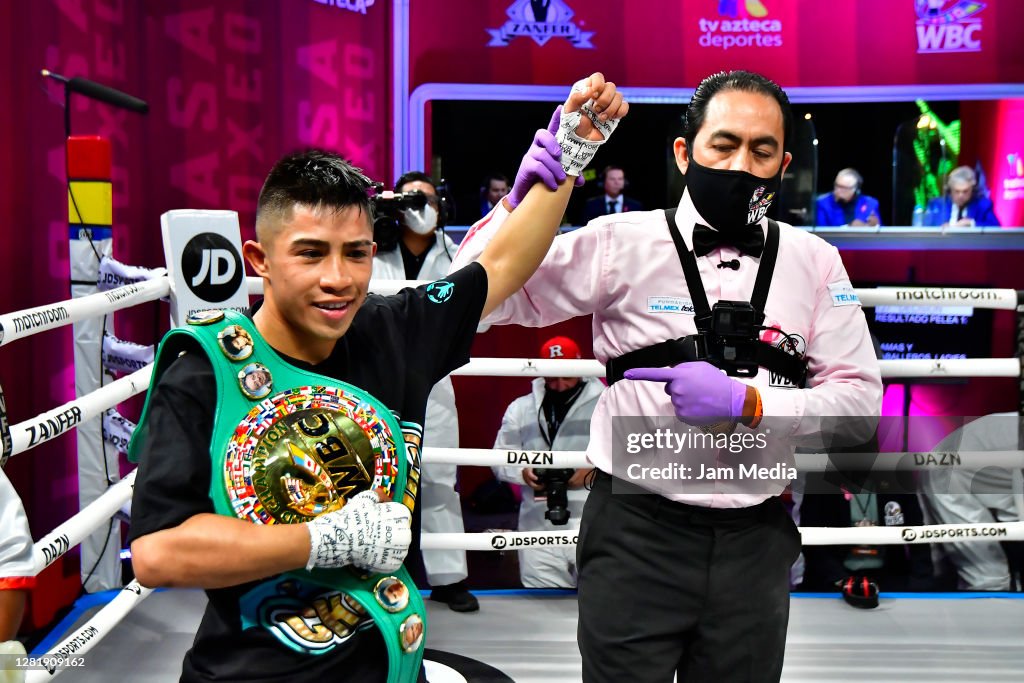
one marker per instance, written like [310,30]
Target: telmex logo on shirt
[843,294]
[669,304]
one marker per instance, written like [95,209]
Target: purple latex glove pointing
[541,163]
[701,393]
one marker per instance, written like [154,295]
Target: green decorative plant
[934,136]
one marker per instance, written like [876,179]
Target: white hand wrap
[576,151]
[370,535]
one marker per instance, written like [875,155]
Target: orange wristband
[758,411]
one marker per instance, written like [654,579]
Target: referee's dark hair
[745,81]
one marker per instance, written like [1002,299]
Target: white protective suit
[546,566]
[440,504]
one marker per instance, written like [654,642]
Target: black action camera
[556,487]
[731,340]
[387,207]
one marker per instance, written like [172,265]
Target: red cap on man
[560,347]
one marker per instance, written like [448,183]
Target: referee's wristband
[753,410]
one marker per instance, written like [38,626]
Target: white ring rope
[53,423]
[805,462]
[93,631]
[69,534]
[951,367]
[1002,299]
[47,549]
[33,320]
[873,535]
[560,367]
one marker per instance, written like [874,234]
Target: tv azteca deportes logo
[740,23]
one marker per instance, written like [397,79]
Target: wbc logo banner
[948,26]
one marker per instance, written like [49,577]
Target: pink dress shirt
[624,269]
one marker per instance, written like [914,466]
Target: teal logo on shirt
[440,291]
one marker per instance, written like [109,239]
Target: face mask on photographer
[730,200]
[420,221]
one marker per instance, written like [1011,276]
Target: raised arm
[518,248]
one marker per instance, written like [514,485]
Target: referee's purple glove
[701,393]
[540,163]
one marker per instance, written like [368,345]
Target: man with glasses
[845,205]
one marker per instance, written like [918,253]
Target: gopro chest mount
[728,333]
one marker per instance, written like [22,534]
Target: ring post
[90,238]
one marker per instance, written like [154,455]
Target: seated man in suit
[613,180]
[961,206]
[845,205]
[494,187]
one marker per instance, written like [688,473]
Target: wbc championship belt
[289,445]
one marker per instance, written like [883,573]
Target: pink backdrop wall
[663,43]
[231,86]
[234,84]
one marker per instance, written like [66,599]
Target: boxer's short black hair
[317,179]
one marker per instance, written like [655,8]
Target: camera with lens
[730,339]
[556,487]
[387,208]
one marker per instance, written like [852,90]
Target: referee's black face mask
[730,200]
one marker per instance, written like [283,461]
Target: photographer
[554,416]
[412,245]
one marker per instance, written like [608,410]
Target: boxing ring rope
[805,462]
[904,368]
[999,299]
[822,535]
[25,323]
[51,424]
[92,632]
[58,542]
[53,545]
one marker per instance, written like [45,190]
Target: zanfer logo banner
[948,26]
[541,20]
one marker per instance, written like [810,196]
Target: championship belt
[289,445]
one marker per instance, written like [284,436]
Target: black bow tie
[749,240]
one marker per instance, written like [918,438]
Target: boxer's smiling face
[316,269]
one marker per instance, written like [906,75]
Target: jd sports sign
[204,259]
[211,267]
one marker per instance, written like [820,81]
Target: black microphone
[100,92]
[734,264]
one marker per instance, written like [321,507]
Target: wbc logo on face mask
[759,203]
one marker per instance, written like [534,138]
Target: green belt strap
[249,415]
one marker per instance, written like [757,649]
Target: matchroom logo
[740,23]
[948,26]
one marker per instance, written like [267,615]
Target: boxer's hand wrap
[365,533]
[576,151]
